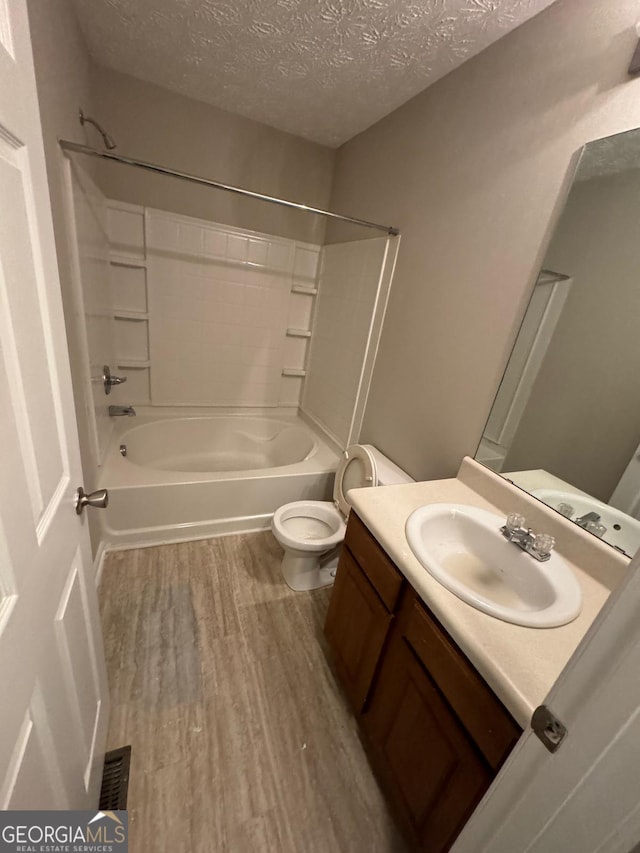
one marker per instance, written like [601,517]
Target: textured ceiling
[321,69]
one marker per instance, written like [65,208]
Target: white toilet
[310,531]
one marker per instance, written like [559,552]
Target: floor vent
[115,779]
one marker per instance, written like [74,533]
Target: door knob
[109,381]
[100,499]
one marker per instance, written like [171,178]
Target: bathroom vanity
[436,732]
[442,691]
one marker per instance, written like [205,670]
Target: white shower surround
[219,298]
[239,318]
[215,309]
[180,482]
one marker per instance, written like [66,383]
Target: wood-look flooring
[241,740]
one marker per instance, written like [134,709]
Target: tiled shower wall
[209,315]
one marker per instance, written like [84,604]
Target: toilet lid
[357,469]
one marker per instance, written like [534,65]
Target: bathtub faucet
[120,411]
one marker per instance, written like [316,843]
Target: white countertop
[520,664]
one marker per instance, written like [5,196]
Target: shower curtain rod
[67,145]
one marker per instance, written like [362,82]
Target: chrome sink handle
[514,530]
[537,545]
[543,544]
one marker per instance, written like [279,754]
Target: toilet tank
[388,472]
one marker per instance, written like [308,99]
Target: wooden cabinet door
[437,775]
[356,628]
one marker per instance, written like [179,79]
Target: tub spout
[121,411]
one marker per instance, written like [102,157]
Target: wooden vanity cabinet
[361,611]
[427,763]
[436,733]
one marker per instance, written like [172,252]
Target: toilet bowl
[311,532]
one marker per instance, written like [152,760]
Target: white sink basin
[623,531]
[463,549]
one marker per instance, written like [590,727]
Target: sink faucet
[121,411]
[586,518]
[537,545]
[591,521]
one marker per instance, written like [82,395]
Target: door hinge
[548,728]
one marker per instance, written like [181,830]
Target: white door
[53,705]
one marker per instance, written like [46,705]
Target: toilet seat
[357,469]
[322,511]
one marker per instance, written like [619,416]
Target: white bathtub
[200,475]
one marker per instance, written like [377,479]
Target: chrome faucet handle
[109,381]
[515,521]
[565,509]
[543,544]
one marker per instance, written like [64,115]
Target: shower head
[109,144]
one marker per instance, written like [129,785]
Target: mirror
[565,424]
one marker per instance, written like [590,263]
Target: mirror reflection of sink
[463,549]
[622,531]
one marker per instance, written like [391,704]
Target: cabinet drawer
[482,714]
[373,561]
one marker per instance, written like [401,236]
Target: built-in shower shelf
[293,371]
[308,289]
[130,315]
[298,333]
[127,261]
[133,363]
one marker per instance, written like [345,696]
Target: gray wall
[153,124]
[473,171]
[582,420]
